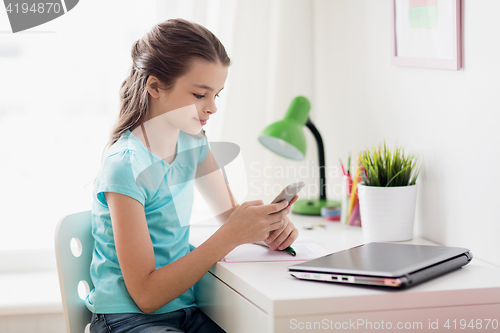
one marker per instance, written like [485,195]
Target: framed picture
[427,33]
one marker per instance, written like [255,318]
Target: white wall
[451,118]
[272,63]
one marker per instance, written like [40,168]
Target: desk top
[270,286]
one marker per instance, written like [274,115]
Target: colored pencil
[349,165]
[353,191]
[342,166]
[354,216]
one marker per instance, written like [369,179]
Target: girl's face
[190,103]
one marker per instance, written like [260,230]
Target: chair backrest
[74,246]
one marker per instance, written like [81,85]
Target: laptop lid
[387,264]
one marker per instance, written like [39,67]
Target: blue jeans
[188,320]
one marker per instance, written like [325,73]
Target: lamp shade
[286,137]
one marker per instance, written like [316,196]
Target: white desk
[263,297]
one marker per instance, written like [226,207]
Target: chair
[74,245]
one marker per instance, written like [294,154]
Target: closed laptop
[383,264]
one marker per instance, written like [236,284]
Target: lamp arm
[321,155]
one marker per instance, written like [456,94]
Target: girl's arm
[214,189]
[152,288]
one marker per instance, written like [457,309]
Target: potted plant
[388,193]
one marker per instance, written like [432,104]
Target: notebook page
[259,253]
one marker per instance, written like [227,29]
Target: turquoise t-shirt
[166,192]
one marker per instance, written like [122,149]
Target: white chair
[74,245]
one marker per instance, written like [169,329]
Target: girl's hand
[253,221]
[286,235]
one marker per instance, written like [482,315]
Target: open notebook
[260,253]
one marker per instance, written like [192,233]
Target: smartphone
[289,192]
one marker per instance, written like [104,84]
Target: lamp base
[312,206]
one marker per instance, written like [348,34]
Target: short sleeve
[117,175]
[203,149]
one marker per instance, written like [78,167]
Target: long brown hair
[166,52]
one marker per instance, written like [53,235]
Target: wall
[27,323]
[450,118]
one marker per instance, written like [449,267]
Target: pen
[291,251]
[288,249]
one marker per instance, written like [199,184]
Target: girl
[143,268]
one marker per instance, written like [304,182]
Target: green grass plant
[386,168]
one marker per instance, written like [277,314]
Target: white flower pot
[387,213]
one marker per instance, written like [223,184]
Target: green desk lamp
[286,138]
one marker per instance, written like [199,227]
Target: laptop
[383,264]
